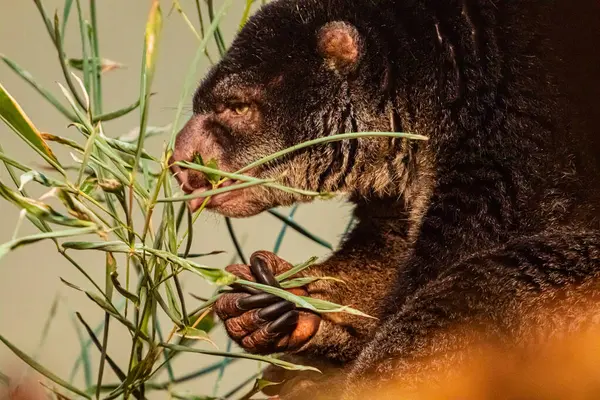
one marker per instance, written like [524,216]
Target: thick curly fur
[488,230]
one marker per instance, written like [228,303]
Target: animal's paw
[260,322]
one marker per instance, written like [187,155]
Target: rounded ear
[340,45]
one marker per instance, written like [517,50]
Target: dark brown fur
[490,225]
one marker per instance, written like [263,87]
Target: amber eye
[241,109]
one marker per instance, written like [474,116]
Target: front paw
[263,323]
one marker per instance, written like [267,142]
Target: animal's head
[293,74]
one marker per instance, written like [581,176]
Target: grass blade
[296,269]
[83,356]
[118,371]
[270,360]
[236,243]
[300,229]
[299,282]
[116,114]
[151,41]
[41,90]
[212,192]
[298,300]
[283,230]
[328,139]
[190,78]
[14,244]
[66,13]
[39,368]
[14,116]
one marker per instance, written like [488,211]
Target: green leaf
[214,275]
[39,178]
[110,309]
[117,113]
[191,76]
[133,135]
[270,360]
[296,269]
[324,306]
[41,210]
[299,282]
[300,229]
[193,333]
[151,40]
[122,290]
[298,300]
[120,374]
[14,116]
[114,246]
[128,148]
[104,64]
[328,139]
[64,141]
[212,164]
[85,359]
[39,368]
[40,89]
[66,13]
[14,244]
[212,192]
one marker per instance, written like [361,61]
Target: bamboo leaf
[270,360]
[14,244]
[296,269]
[300,229]
[14,116]
[212,192]
[41,210]
[133,135]
[104,64]
[122,290]
[120,374]
[39,178]
[328,139]
[324,306]
[84,357]
[39,368]
[298,300]
[66,13]
[190,78]
[299,282]
[193,333]
[39,88]
[151,40]
[58,139]
[117,113]
[114,246]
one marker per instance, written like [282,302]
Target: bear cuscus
[484,236]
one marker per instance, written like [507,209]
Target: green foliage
[115,179]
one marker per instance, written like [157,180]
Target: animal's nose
[190,141]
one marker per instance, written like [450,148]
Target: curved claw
[284,324]
[262,272]
[257,301]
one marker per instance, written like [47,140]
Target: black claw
[241,288]
[262,273]
[257,301]
[275,310]
[284,323]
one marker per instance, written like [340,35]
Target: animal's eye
[241,109]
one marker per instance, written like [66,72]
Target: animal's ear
[340,45]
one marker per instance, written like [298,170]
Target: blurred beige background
[29,277]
